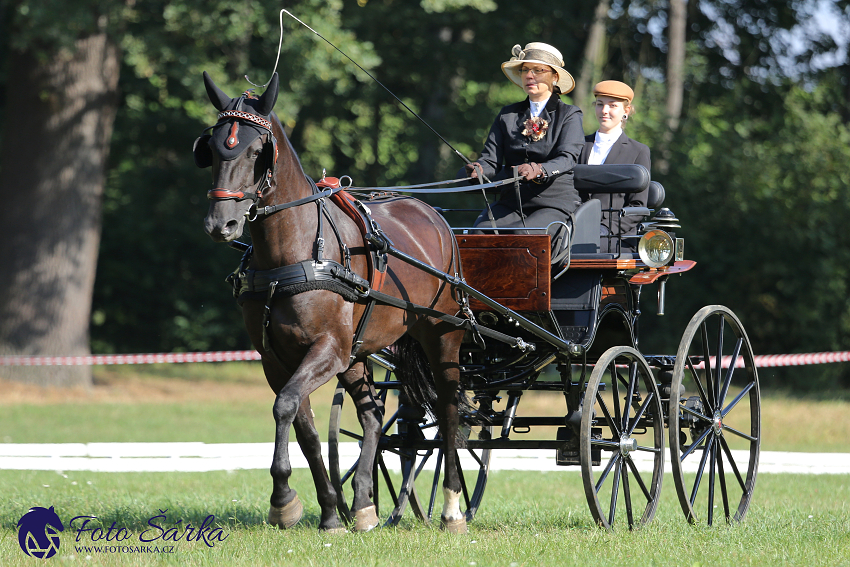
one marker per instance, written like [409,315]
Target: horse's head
[242,150]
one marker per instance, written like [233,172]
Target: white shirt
[537,107]
[602,146]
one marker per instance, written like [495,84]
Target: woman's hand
[530,171]
[473,169]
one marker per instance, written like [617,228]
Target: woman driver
[541,135]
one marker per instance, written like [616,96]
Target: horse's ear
[218,98]
[269,98]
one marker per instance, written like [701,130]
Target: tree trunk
[676,26]
[58,123]
[676,61]
[593,60]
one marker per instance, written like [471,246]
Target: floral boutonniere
[535,128]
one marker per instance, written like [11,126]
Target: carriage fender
[653,274]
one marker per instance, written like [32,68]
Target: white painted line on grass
[202,457]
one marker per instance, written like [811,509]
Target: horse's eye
[257,153]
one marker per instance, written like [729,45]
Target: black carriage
[570,328]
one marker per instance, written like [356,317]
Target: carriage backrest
[613,178]
[655,196]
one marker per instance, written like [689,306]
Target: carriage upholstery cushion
[613,178]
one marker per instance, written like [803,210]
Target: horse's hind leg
[370,413]
[443,359]
[310,443]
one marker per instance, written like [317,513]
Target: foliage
[758,169]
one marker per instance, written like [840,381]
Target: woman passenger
[610,145]
[541,135]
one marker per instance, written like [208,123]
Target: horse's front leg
[321,362]
[311,446]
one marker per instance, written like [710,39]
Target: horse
[315,330]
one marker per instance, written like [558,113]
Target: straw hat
[543,53]
[614,89]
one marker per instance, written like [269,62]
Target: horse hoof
[286,517]
[454,526]
[365,519]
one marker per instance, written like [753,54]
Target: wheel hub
[717,423]
[627,445]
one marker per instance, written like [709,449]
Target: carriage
[579,315]
[345,286]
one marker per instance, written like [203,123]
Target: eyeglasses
[535,72]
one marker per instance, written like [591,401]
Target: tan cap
[614,89]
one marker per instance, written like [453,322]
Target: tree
[61,101]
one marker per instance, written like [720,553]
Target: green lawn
[526,519]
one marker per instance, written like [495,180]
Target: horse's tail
[414,373]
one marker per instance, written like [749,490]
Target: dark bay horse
[305,337]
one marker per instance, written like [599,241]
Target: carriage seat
[596,181]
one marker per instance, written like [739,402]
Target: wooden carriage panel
[511,269]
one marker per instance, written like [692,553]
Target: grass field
[525,519]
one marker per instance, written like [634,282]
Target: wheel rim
[714,418]
[622,444]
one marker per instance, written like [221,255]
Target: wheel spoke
[351,434]
[615,389]
[604,407]
[477,459]
[639,479]
[703,396]
[627,403]
[711,479]
[462,480]
[349,472]
[737,399]
[615,490]
[694,413]
[612,445]
[733,361]
[387,480]
[738,433]
[701,470]
[649,398]
[718,362]
[627,497]
[732,464]
[435,483]
[424,460]
[723,493]
[706,358]
[694,445]
[611,462]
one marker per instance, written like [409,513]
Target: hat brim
[511,69]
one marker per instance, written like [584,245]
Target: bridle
[269,145]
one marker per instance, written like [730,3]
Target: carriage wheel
[419,468]
[622,440]
[715,417]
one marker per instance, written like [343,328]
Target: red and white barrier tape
[99,359]
[763,361]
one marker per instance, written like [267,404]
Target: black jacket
[624,151]
[558,151]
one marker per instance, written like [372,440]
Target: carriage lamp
[656,248]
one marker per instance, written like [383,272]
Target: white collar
[537,107]
[610,137]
